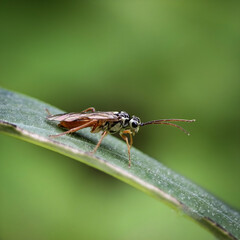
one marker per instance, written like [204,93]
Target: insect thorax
[114,127]
[123,122]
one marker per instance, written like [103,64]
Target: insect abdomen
[73,124]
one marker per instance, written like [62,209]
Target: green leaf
[25,118]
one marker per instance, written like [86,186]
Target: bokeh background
[154,59]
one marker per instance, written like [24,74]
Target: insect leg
[124,137]
[99,142]
[75,129]
[49,114]
[130,134]
[90,109]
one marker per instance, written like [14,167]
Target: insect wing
[70,117]
[105,116]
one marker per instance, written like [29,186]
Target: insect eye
[134,124]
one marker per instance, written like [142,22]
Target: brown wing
[70,117]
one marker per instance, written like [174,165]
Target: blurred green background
[154,59]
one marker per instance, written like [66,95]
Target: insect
[107,122]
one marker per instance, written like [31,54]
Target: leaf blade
[25,118]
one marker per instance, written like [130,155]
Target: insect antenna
[168,122]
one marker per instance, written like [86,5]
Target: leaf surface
[25,118]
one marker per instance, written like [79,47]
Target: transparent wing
[69,117]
